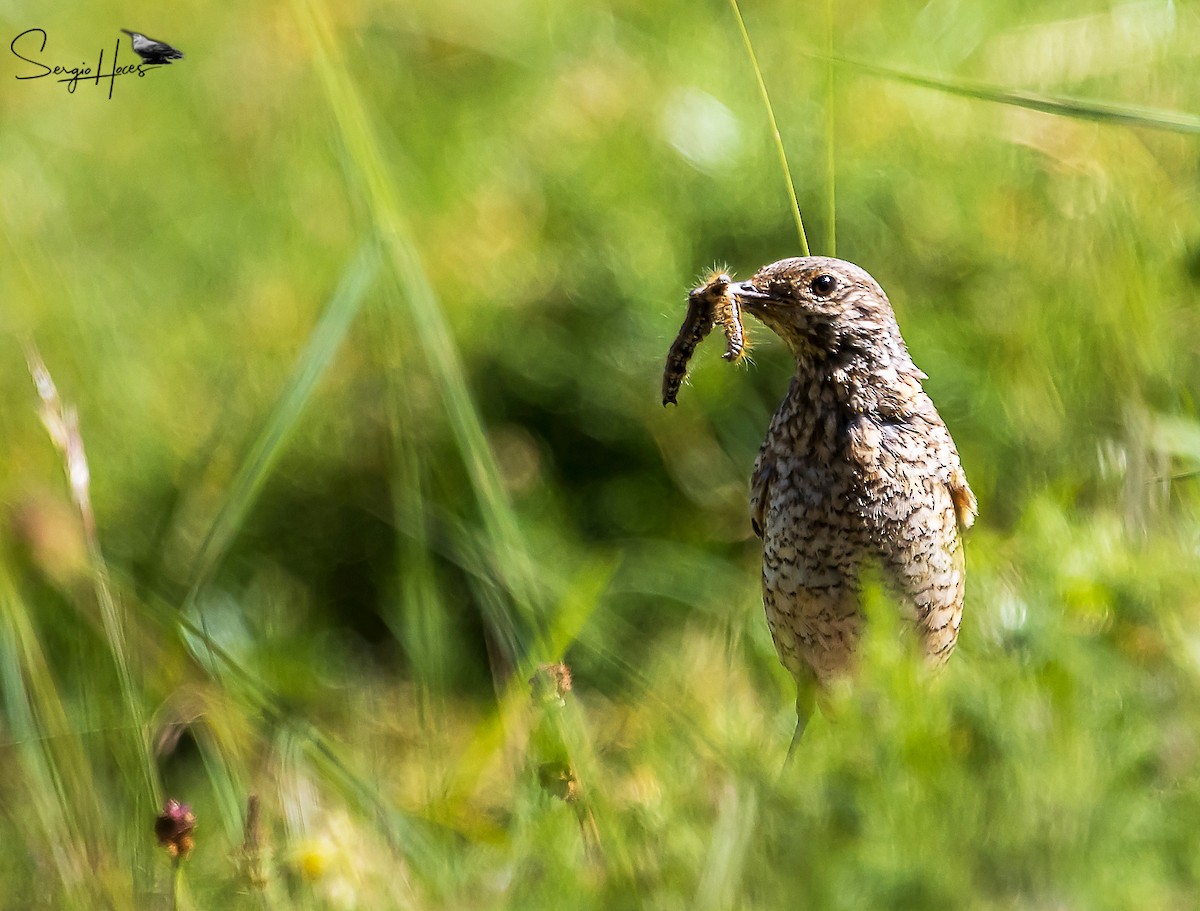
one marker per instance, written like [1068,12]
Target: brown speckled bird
[857,467]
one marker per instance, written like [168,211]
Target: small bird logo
[151,51]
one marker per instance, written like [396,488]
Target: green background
[364,308]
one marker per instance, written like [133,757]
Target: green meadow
[349,331]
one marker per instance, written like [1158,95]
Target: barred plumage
[857,467]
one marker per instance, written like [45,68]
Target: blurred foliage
[363,308]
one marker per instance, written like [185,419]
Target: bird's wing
[965,505]
[955,479]
[760,481]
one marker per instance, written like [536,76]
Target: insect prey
[708,305]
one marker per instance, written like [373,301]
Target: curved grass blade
[762,90]
[62,424]
[517,627]
[60,788]
[323,343]
[830,136]
[421,840]
[1060,105]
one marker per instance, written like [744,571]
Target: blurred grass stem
[766,97]
[62,424]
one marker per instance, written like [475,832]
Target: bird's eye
[823,285]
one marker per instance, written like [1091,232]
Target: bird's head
[824,309]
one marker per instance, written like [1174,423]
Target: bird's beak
[749,296]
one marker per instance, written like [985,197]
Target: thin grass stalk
[62,425]
[415,612]
[737,817]
[766,97]
[59,781]
[323,344]
[417,615]
[1058,105]
[521,627]
[580,601]
[830,137]
[414,836]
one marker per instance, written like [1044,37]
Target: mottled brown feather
[857,468]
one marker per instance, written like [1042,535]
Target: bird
[857,469]
[151,51]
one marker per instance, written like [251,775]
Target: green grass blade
[61,422]
[1060,105]
[61,810]
[766,97]
[737,816]
[415,612]
[326,338]
[582,598]
[424,319]
[830,137]
[415,836]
